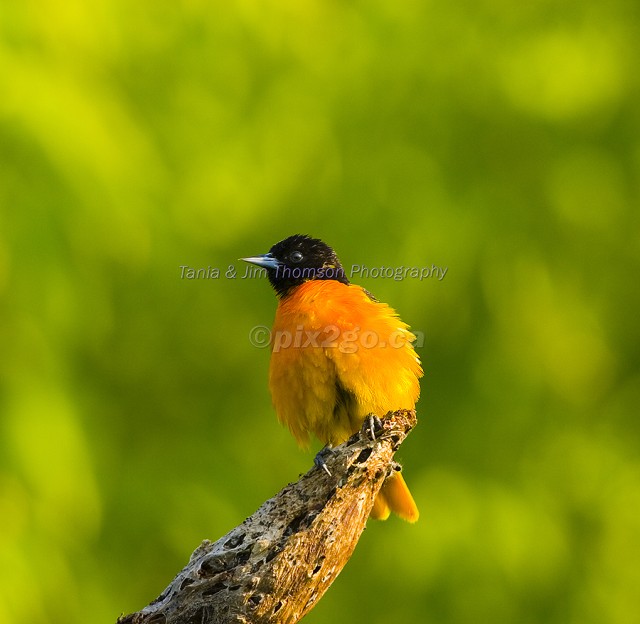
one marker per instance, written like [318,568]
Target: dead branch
[278,563]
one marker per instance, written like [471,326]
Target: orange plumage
[338,356]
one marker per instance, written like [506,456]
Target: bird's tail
[395,497]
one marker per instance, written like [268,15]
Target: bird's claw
[371,425]
[319,461]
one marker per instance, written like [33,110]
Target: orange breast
[338,356]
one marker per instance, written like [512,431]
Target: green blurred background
[496,139]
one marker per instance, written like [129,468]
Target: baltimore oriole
[338,355]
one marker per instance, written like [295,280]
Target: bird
[338,356]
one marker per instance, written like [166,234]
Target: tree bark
[276,565]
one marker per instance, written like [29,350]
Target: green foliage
[496,139]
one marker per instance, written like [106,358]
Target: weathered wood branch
[276,565]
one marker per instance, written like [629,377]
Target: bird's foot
[319,459]
[372,425]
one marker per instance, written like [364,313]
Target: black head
[298,259]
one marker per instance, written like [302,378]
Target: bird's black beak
[266,261]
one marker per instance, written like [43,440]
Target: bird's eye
[296,256]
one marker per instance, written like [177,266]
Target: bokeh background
[497,139]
